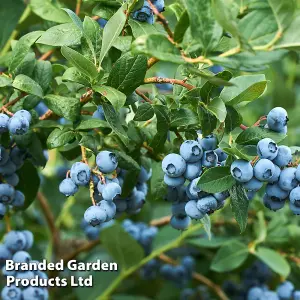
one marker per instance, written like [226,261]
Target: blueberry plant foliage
[123,122]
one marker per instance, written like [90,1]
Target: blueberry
[143,187]
[18,125]
[193,191]
[193,170]
[9,168]
[298,173]
[285,290]
[159,4]
[222,156]
[207,204]
[250,195]
[273,204]
[296,295]
[4,120]
[21,257]
[172,194]
[68,187]
[23,114]
[99,113]
[188,262]
[241,170]
[173,165]
[136,201]
[121,204]
[255,293]
[7,193]
[264,170]
[144,175]
[17,156]
[275,192]
[267,148]
[287,179]
[101,185]
[2,210]
[95,215]
[295,196]
[41,108]
[12,179]
[80,173]
[29,239]
[33,293]
[15,241]
[209,159]
[5,254]
[111,191]
[19,199]
[209,142]
[253,184]
[3,156]
[191,151]
[284,156]
[110,209]
[276,175]
[178,209]
[92,233]
[221,196]
[295,208]
[174,181]
[192,211]
[180,223]
[102,22]
[8,273]
[106,161]
[145,14]
[11,293]
[277,119]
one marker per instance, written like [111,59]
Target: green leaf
[158,46]
[216,180]
[64,106]
[111,31]
[113,120]
[91,142]
[26,84]
[181,27]
[93,34]
[5,81]
[92,124]
[204,27]
[239,151]
[76,20]
[80,62]
[182,117]
[215,242]
[141,28]
[116,98]
[123,248]
[58,138]
[145,112]
[74,75]
[233,119]
[61,35]
[229,257]
[37,151]
[206,225]
[126,162]
[239,205]
[47,11]
[128,73]
[123,43]
[158,189]
[22,48]
[130,180]
[253,135]
[218,108]
[208,120]
[247,88]
[42,74]
[163,119]
[274,260]
[29,183]
[47,124]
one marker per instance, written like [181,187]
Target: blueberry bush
[161,135]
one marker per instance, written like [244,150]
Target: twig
[78,7]
[7,223]
[178,135]
[86,112]
[243,127]
[46,55]
[197,60]
[83,154]
[143,96]
[161,222]
[199,277]
[96,18]
[12,102]
[169,80]
[50,221]
[152,61]
[257,123]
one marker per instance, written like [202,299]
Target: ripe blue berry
[241,170]
[174,181]
[19,199]
[284,156]
[7,193]
[95,215]
[145,14]
[222,156]
[255,293]
[136,201]
[111,191]
[80,173]
[276,192]
[3,156]
[110,209]
[192,210]
[159,4]
[21,257]
[144,175]
[106,161]
[11,293]
[23,114]
[2,210]
[173,165]
[17,156]
[178,209]
[68,187]
[267,148]
[15,241]
[172,194]
[99,113]
[12,179]
[273,204]
[253,184]
[295,199]
[192,190]
[296,295]
[180,223]
[277,119]
[18,125]
[221,196]
[5,254]
[285,290]
[101,185]
[287,179]
[209,142]
[9,168]
[92,233]
[207,204]
[209,159]
[33,293]
[29,239]
[250,195]
[4,119]
[191,151]
[276,175]
[298,173]
[264,170]
[193,170]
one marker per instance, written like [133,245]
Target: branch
[152,61]
[168,80]
[46,55]
[143,96]
[7,223]
[12,102]
[197,276]
[243,127]
[161,222]
[78,7]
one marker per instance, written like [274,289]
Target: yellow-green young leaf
[58,138]
[112,30]
[47,11]
[229,257]
[22,48]
[115,97]
[157,45]
[141,28]
[274,260]
[26,84]
[5,81]
[218,108]
[80,62]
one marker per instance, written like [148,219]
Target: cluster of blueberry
[273,167]
[145,14]
[200,292]
[93,232]
[18,124]
[189,202]
[15,246]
